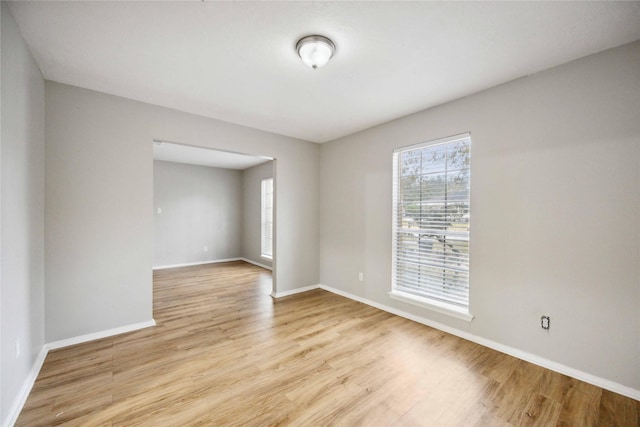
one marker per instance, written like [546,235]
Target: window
[431,225]
[267,218]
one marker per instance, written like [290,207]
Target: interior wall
[555,211]
[252,212]
[200,218]
[99,204]
[22,214]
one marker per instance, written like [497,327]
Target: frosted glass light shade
[315,51]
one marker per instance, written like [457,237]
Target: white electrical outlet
[159,210]
[361,277]
[206,248]
[545,322]
[18,349]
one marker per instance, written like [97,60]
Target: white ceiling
[235,61]
[179,153]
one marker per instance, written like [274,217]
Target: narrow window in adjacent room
[267,218]
[431,200]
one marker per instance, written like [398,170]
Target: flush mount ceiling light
[315,51]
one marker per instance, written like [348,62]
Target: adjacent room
[320,213]
[211,206]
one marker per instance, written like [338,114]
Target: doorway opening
[209,206]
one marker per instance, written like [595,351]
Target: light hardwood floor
[225,353]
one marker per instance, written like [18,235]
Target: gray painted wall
[555,212]
[21,213]
[252,220]
[200,207]
[99,220]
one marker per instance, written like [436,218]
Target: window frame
[398,292]
[265,222]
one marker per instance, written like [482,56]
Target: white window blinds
[431,221]
[267,218]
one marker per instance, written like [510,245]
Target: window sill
[267,257]
[432,305]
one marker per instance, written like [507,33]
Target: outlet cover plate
[545,322]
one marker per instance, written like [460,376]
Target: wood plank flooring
[224,353]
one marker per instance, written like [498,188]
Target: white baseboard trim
[294,291]
[98,335]
[21,399]
[250,261]
[523,355]
[188,264]
[37,364]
